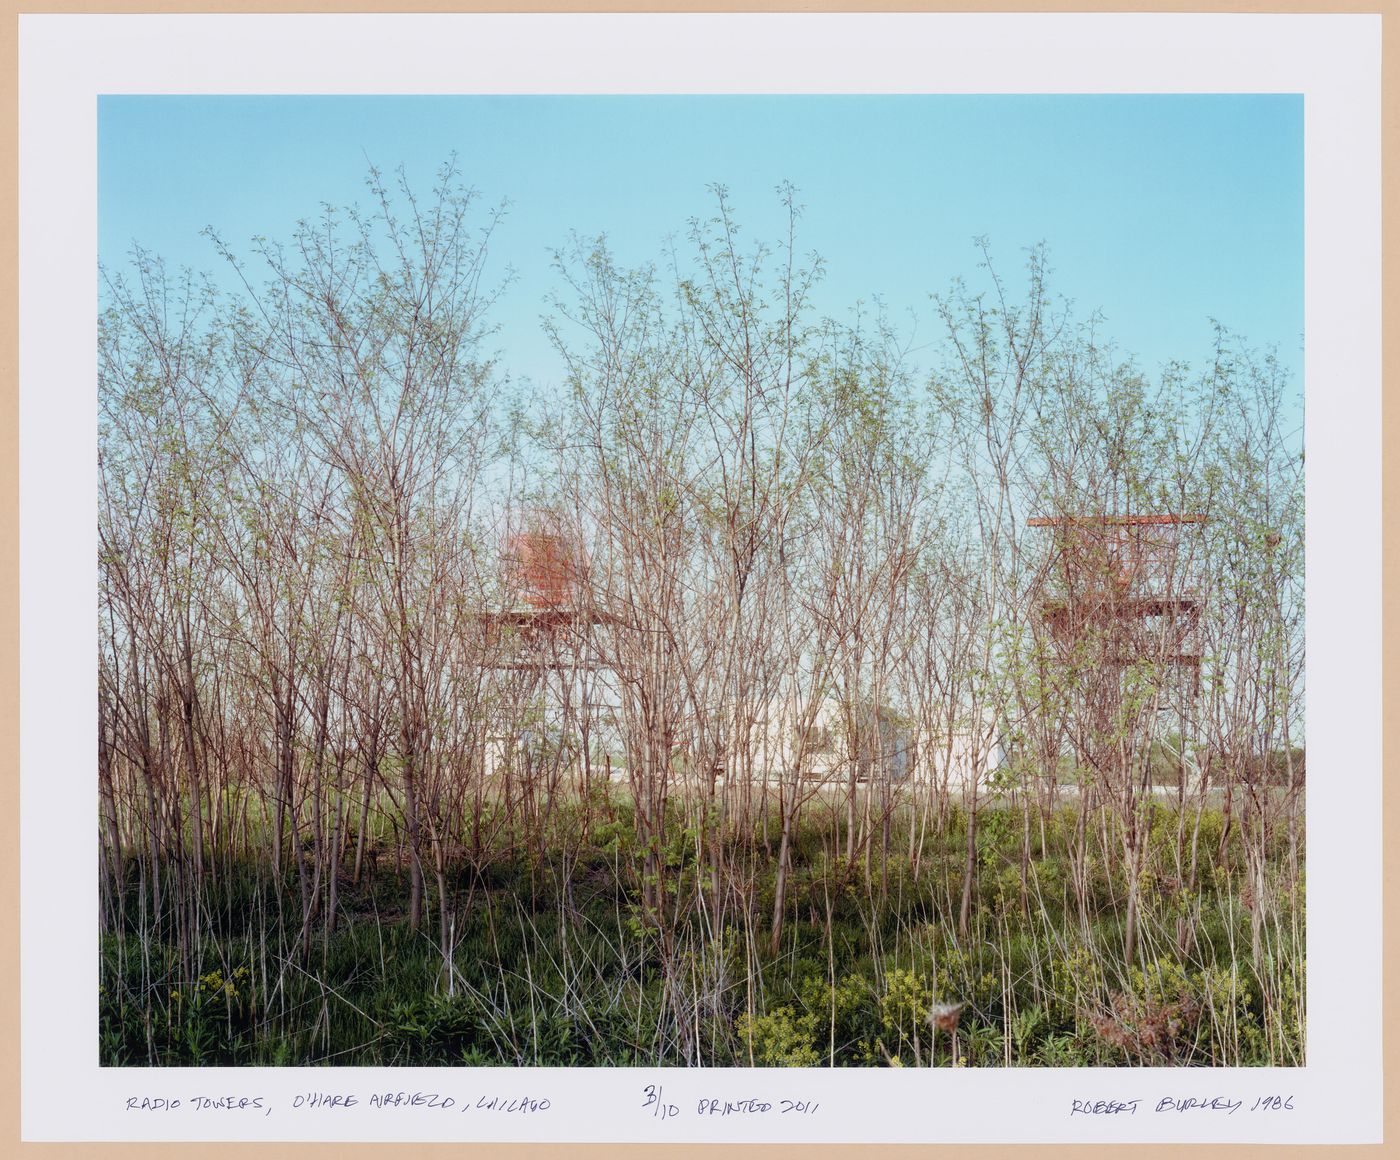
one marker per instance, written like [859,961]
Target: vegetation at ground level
[554,960]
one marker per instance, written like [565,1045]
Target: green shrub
[780,1038]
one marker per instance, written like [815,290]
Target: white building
[879,744]
[841,739]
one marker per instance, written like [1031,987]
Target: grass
[552,961]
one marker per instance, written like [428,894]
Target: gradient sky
[1163,212]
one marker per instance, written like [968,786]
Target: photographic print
[761,581]
[717,578]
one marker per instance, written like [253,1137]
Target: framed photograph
[703,578]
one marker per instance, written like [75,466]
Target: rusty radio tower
[1116,594]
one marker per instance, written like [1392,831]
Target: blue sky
[1163,212]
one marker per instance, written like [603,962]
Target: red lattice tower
[1117,592]
[548,569]
[549,614]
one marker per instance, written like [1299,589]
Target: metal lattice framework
[550,622]
[1117,593]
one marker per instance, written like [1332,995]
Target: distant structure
[544,640]
[961,759]
[1116,595]
[873,742]
[1120,583]
[548,612]
[549,568]
[545,589]
[877,744]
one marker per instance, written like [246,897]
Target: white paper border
[66,60]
